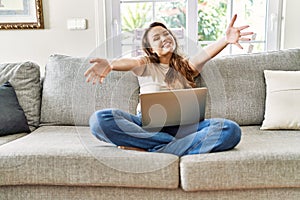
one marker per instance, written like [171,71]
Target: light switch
[77,24]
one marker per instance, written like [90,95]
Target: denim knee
[97,127]
[232,134]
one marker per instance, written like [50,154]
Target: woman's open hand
[98,71]
[234,34]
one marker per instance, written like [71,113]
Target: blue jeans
[123,129]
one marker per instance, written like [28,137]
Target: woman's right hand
[98,71]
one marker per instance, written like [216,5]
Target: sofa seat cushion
[69,155]
[8,138]
[117,193]
[263,159]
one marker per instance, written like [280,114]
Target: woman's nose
[163,38]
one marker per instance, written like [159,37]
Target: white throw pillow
[282,109]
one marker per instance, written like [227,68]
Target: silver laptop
[173,107]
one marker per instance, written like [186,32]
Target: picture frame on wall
[21,14]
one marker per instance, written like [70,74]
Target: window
[194,22]
[137,15]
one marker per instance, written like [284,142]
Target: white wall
[37,45]
[291,19]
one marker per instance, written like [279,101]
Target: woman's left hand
[235,34]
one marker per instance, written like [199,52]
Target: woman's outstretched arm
[233,36]
[102,67]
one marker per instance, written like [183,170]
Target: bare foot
[131,148]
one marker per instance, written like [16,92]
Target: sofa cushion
[282,100]
[236,84]
[68,100]
[12,117]
[38,192]
[263,159]
[25,78]
[69,155]
[8,138]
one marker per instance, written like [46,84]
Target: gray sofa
[61,159]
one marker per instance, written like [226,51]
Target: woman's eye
[155,38]
[166,33]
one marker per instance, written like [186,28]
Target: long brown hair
[179,65]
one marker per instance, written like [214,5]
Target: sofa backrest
[236,88]
[68,100]
[236,84]
[25,78]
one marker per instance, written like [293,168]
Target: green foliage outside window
[136,16]
[172,14]
[211,17]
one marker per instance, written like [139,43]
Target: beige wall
[291,23]
[37,45]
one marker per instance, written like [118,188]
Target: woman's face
[161,41]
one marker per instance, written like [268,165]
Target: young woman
[163,68]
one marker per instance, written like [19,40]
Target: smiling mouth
[166,45]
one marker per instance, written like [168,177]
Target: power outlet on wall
[77,24]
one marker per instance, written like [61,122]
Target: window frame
[113,25]
[274,24]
